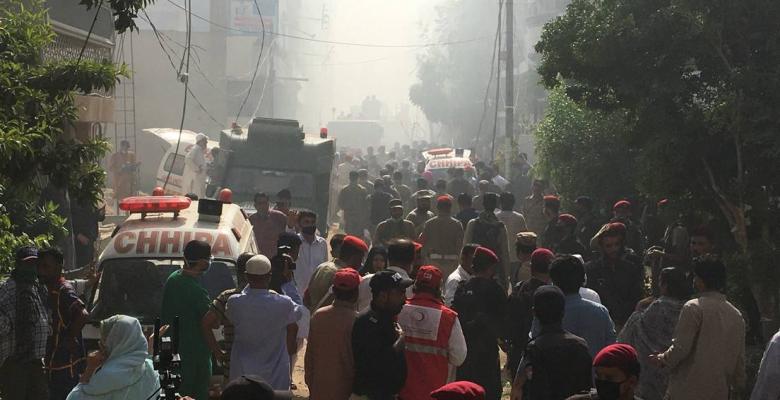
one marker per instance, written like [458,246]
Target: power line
[89,33]
[186,88]
[296,37]
[492,69]
[257,65]
[161,41]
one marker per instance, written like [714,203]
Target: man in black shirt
[556,364]
[480,303]
[520,310]
[377,340]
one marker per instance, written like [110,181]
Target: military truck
[275,154]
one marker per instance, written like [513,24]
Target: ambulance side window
[178,164]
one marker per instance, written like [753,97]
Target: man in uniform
[487,231]
[352,202]
[533,207]
[525,245]
[404,192]
[480,303]
[515,223]
[420,215]
[185,298]
[394,227]
[567,226]
[588,222]
[351,252]
[378,202]
[551,236]
[442,238]
[459,184]
[635,239]
[435,345]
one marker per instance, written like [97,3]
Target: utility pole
[509,99]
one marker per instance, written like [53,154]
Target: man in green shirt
[184,297]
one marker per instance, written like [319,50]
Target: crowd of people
[415,298]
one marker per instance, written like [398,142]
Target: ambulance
[148,246]
[160,152]
[438,161]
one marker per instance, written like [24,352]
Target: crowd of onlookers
[415,297]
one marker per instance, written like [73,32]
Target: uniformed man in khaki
[354,206]
[395,227]
[420,215]
[525,244]
[442,238]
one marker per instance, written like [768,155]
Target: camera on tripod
[167,361]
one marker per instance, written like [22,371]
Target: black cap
[197,250]
[386,280]
[288,239]
[549,304]
[26,253]
[253,387]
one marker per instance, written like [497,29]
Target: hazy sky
[350,73]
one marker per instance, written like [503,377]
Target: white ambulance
[147,247]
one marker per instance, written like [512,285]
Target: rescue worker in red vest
[435,345]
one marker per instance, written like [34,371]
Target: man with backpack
[487,231]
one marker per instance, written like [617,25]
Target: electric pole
[509,99]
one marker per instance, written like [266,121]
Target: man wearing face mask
[184,297]
[313,250]
[617,374]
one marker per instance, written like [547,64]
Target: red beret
[662,203]
[444,199]
[355,242]
[621,204]
[542,256]
[618,355]
[617,227]
[417,246]
[486,254]
[550,199]
[567,219]
[461,390]
[346,279]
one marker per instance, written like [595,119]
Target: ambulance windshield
[134,286]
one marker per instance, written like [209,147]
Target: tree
[125,11]
[453,79]
[584,151]
[36,100]
[700,81]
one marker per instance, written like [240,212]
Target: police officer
[395,227]
[420,215]
[442,238]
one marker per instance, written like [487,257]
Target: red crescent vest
[427,325]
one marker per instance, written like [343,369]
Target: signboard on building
[246,20]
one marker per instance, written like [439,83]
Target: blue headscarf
[127,372]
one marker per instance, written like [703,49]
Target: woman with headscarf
[650,331]
[375,261]
[121,369]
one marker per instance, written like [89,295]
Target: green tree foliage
[125,11]
[584,151]
[36,108]
[700,78]
[700,82]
